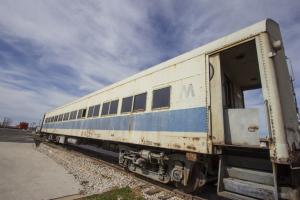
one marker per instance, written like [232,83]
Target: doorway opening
[243,102]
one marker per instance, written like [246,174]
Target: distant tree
[32,125]
[6,122]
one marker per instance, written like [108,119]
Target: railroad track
[152,188]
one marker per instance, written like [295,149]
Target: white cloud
[105,41]
[92,38]
[28,105]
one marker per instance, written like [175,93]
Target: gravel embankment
[96,177]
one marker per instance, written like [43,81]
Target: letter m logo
[187,91]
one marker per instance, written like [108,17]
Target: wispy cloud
[54,51]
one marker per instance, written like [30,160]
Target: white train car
[187,120]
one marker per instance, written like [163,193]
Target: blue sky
[52,52]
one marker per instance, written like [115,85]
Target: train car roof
[215,45]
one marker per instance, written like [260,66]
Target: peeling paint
[156,144]
[191,147]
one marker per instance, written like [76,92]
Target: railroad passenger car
[190,120]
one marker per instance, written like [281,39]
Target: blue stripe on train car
[185,120]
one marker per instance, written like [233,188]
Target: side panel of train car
[197,104]
[180,125]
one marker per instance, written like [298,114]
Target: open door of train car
[237,105]
[250,123]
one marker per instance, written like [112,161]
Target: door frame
[217,124]
[217,128]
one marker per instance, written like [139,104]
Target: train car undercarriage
[186,171]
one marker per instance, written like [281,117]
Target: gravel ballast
[96,177]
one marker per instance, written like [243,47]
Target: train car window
[139,103]
[73,115]
[79,115]
[161,98]
[60,117]
[66,117]
[126,104]
[114,107]
[83,113]
[96,110]
[90,112]
[52,119]
[56,118]
[105,108]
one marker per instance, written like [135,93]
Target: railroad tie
[165,197]
[153,191]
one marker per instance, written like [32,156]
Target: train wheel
[196,180]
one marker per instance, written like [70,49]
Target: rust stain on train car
[148,143]
[191,147]
[156,144]
[191,138]
[191,156]
[87,133]
[130,123]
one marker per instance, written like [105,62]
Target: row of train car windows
[136,103]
